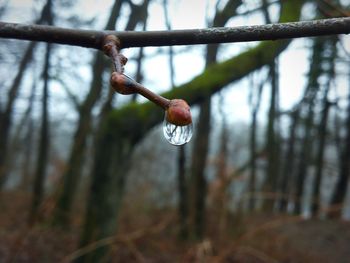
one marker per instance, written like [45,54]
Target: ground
[151,237]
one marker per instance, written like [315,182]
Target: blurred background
[86,174]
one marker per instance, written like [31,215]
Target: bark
[94,39]
[72,174]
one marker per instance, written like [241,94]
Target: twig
[94,39]
[115,239]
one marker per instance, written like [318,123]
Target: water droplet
[177,135]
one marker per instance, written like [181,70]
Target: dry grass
[151,236]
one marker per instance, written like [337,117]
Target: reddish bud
[122,84]
[178,113]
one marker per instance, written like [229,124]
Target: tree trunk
[198,183]
[289,163]
[270,184]
[200,148]
[304,158]
[307,142]
[44,142]
[28,141]
[74,166]
[222,176]
[182,188]
[6,116]
[107,187]
[330,57]
[27,172]
[252,141]
[316,198]
[183,208]
[344,171]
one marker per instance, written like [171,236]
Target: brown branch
[94,39]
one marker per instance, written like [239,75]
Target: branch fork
[177,110]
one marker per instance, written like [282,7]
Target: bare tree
[307,141]
[331,45]
[344,171]
[255,104]
[43,153]
[6,114]
[198,183]
[75,161]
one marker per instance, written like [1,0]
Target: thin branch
[94,39]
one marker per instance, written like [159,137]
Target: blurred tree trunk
[23,142]
[289,161]
[329,57]
[344,171]
[27,141]
[255,104]
[304,158]
[108,176]
[111,164]
[222,192]
[198,184]
[270,185]
[6,114]
[71,175]
[183,208]
[316,197]
[307,142]
[27,172]
[183,194]
[119,134]
[44,140]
